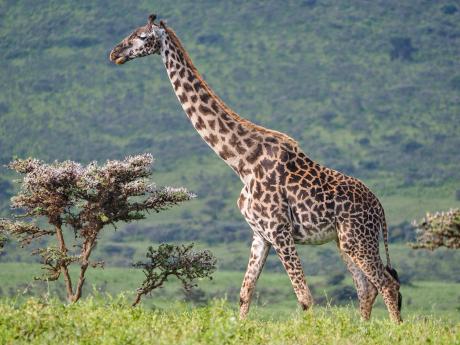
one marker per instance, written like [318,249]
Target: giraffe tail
[385,242]
[394,274]
[389,269]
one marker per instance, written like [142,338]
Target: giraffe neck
[236,140]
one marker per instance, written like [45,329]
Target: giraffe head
[145,40]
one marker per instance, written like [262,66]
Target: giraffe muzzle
[116,58]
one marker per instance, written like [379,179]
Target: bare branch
[24,232]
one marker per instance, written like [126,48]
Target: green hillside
[368,88]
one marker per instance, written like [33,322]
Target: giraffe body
[287,198]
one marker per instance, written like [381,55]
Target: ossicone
[152,18]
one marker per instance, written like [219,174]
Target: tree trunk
[64,268]
[86,252]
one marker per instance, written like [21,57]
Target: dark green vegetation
[367,87]
[100,322]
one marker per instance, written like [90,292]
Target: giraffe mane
[213,95]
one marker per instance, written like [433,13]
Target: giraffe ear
[152,18]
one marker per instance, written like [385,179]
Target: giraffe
[287,198]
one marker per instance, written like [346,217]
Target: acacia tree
[441,229]
[82,200]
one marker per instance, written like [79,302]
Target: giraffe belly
[309,233]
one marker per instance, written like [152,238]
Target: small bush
[181,262]
[449,9]
[441,229]
[401,48]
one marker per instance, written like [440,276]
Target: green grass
[98,321]
[407,204]
[274,297]
[323,260]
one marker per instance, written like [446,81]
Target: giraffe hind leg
[359,240]
[365,290]
[386,285]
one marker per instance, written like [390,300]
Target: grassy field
[98,321]
[273,298]
[323,260]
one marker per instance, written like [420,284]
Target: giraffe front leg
[259,252]
[287,252]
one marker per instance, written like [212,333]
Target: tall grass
[112,321]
